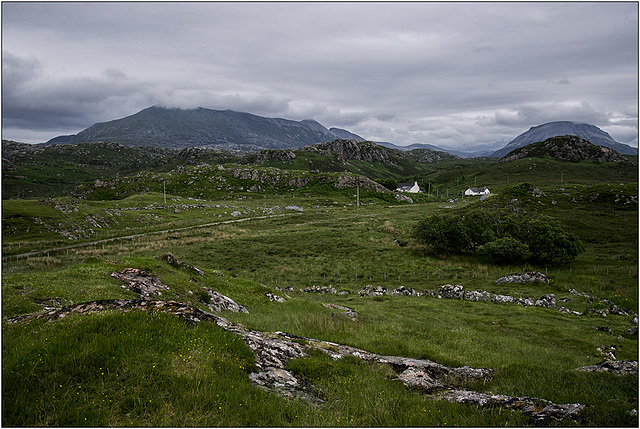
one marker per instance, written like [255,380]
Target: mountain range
[222,129]
[231,130]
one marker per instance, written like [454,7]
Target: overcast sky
[466,76]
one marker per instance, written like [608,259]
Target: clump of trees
[500,236]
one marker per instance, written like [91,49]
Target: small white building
[477,191]
[408,187]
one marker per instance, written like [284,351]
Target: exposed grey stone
[451,291]
[294,207]
[220,302]
[619,367]
[529,277]
[523,301]
[602,312]
[403,291]
[346,311]
[613,308]
[273,297]
[320,289]
[633,330]
[547,301]
[173,261]
[477,295]
[140,282]
[370,290]
[420,379]
[539,409]
[428,292]
[498,299]
[608,352]
[602,328]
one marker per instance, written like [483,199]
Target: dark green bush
[501,236]
[550,244]
[505,250]
[445,233]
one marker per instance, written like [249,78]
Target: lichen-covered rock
[273,297]
[220,302]
[539,409]
[169,258]
[619,367]
[523,301]
[320,289]
[501,299]
[140,282]
[477,295]
[403,291]
[420,379]
[529,277]
[547,301]
[451,291]
[602,312]
[346,311]
[370,290]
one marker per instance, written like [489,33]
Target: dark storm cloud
[460,75]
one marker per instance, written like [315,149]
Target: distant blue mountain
[562,128]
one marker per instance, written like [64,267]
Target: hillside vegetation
[37,171]
[347,319]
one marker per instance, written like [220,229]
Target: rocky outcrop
[218,302]
[285,155]
[353,149]
[345,311]
[319,289]
[140,282]
[451,291]
[403,291]
[547,301]
[541,410]
[618,367]
[168,257]
[273,350]
[273,297]
[477,295]
[520,278]
[370,290]
[501,299]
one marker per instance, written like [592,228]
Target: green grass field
[148,369]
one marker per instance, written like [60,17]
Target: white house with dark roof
[412,188]
[477,191]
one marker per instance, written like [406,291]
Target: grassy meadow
[152,369]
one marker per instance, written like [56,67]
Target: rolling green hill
[37,171]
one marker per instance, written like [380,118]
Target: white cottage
[408,187]
[477,191]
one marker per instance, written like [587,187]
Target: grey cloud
[17,70]
[457,74]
